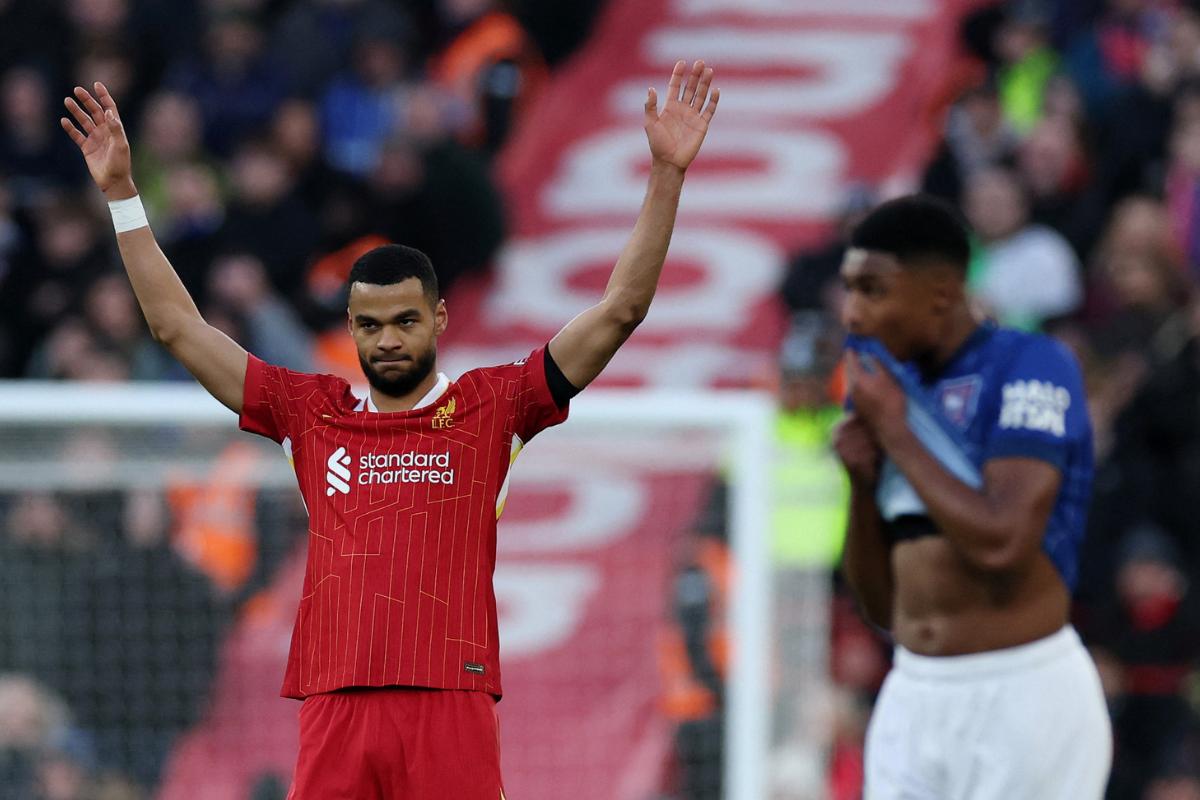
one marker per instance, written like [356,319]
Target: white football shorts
[1022,723]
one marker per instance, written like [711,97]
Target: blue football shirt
[1005,393]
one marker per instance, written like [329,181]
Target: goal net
[151,559]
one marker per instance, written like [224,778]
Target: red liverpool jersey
[402,521]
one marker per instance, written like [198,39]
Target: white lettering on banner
[738,269]
[602,506]
[1035,406]
[845,72]
[540,606]
[800,176]
[772,99]
[886,9]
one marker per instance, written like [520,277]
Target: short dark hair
[916,228]
[394,263]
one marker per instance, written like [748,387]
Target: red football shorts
[398,744]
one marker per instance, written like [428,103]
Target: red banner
[815,93]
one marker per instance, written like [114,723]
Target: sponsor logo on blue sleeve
[1035,406]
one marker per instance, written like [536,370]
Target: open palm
[676,134]
[102,139]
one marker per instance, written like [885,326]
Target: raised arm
[217,361]
[588,342]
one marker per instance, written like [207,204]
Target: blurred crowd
[1070,141]
[274,141]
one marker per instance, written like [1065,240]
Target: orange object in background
[214,517]
[685,697]
[334,353]
[333,350]
[327,276]
[494,38]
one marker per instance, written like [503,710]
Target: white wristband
[128,214]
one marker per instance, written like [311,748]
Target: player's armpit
[217,362]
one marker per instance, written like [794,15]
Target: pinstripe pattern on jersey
[398,585]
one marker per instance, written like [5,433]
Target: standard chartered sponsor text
[411,467]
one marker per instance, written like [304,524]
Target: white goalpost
[39,419]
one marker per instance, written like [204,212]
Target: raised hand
[102,140]
[676,134]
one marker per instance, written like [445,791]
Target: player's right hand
[102,140]
[857,449]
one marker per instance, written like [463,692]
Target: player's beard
[419,369]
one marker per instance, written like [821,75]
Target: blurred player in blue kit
[969,452]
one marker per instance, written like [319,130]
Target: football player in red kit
[395,648]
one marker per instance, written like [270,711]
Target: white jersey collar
[439,388]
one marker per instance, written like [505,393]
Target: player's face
[887,301]
[395,329]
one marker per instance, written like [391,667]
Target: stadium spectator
[313,40]
[1109,56]
[808,522]
[1024,273]
[1140,285]
[491,65]
[266,217]
[194,214]
[32,721]
[1151,626]
[20,39]
[1138,228]
[1157,438]
[557,27]
[807,532]
[12,252]
[693,658]
[361,109]
[112,334]
[296,135]
[1185,786]
[105,614]
[421,190]
[170,137]
[235,83]
[976,137]
[811,277]
[1183,190]
[31,149]
[68,254]
[106,21]
[1027,62]
[113,66]
[1054,167]
[238,282]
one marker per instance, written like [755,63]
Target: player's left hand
[677,132]
[878,399]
